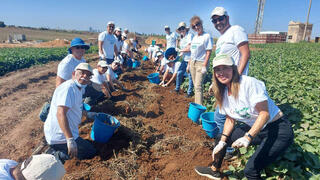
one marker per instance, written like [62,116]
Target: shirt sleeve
[239,35]
[208,42]
[65,97]
[63,71]
[257,92]
[101,37]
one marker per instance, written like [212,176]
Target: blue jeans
[180,74]
[219,119]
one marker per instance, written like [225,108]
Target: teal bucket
[145,58]
[103,127]
[154,78]
[135,64]
[207,120]
[194,112]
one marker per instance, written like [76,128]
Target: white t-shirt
[111,73]
[108,44]
[251,92]
[151,49]
[5,166]
[126,47]
[171,40]
[97,79]
[67,66]
[199,46]
[118,43]
[174,68]
[184,42]
[228,44]
[69,95]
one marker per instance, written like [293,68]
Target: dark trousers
[85,149]
[109,61]
[92,96]
[273,140]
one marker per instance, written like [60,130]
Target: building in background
[295,31]
[267,37]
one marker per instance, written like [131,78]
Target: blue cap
[169,52]
[78,42]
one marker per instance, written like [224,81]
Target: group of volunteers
[239,97]
[76,83]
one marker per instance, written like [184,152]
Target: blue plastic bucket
[103,127]
[195,110]
[135,64]
[86,107]
[154,78]
[145,58]
[207,120]
[213,132]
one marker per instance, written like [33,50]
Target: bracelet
[225,135]
[249,135]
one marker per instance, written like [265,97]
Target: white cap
[166,27]
[182,24]
[84,66]
[219,11]
[126,29]
[124,34]
[43,166]
[123,52]
[117,60]
[110,22]
[117,29]
[102,64]
[222,59]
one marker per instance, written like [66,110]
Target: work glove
[180,54]
[204,70]
[102,56]
[72,147]
[241,142]
[210,90]
[218,148]
[164,85]
[161,83]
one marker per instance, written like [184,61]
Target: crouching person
[98,89]
[245,99]
[171,67]
[61,127]
[111,76]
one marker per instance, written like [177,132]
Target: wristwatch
[249,135]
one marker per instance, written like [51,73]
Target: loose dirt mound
[158,41]
[156,140]
[54,43]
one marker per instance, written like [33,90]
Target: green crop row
[291,73]
[12,59]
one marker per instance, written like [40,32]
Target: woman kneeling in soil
[245,99]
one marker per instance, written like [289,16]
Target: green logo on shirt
[244,113]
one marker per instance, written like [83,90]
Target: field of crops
[291,73]
[12,59]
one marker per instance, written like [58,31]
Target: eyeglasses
[80,47]
[198,24]
[85,72]
[220,18]
[181,28]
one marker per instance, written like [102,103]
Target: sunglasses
[181,28]
[80,47]
[220,18]
[198,24]
[111,26]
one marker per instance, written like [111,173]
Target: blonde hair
[194,19]
[219,88]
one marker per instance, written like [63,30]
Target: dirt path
[156,140]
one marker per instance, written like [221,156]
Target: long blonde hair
[219,88]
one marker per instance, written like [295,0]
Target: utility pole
[259,18]
[305,27]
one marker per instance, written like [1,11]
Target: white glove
[102,56]
[241,142]
[161,83]
[218,148]
[72,147]
[210,90]
[204,70]
[164,85]
[177,49]
[181,54]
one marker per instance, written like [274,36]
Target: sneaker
[208,172]
[231,154]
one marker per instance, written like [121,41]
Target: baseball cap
[222,59]
[110,22]
[117,29]
[166,27]
[219,11]
[123,52]
[84,66]
[43,166]
[102,64]
[182,24]
[117,60]
[78,42]
[169,52]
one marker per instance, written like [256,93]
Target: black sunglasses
[220,18]
[197,24]
[81,47]
[181,28]
[111,26]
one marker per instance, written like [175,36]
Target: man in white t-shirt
[43,166]
[107,44]
[61,126]
[233,42]
[98,89]
[171,38]
[65,68]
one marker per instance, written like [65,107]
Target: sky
[150,16]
